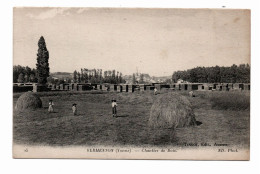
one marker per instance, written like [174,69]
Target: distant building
[182,81]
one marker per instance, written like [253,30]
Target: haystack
[171,110]
[28,100]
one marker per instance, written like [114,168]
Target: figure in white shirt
[51,104]
[191,94]
[155,91]
[114,105]
[74,109]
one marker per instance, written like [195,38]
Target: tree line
[23,74]
[97,76]
[216,74]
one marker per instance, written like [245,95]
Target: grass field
[94,124]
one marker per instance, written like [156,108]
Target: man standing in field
[74,109]
[114,105]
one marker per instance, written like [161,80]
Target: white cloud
[50,13]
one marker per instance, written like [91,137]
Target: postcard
[131,83]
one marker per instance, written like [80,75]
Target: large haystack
[171,110]
[28,100]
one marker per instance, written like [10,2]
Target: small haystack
[171,110]
[28,100]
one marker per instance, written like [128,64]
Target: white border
[9,165]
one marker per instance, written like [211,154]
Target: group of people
[74,108]
[51,108]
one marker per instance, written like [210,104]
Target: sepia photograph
[131,83]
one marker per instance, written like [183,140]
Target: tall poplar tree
[42,65]
[133,79]
[75,78]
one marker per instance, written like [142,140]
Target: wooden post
[61,86]
[35,88]
[125,88]
[119,88]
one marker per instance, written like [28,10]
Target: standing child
[114,105]
[50,106]
[155,91]
[191,94]
[74,109]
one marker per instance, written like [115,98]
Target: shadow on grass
[122,116]
[77,115]
[162,137]
[53,112]
[198,123]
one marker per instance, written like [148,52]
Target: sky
[153,41]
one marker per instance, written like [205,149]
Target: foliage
[20,78]
[233,74]
[133,79]
[141,78]
[96,76]
[23,74]
[75,76]
[42,65]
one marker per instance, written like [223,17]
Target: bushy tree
[32,77]
[141,78]
[75,76]
[20,78]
